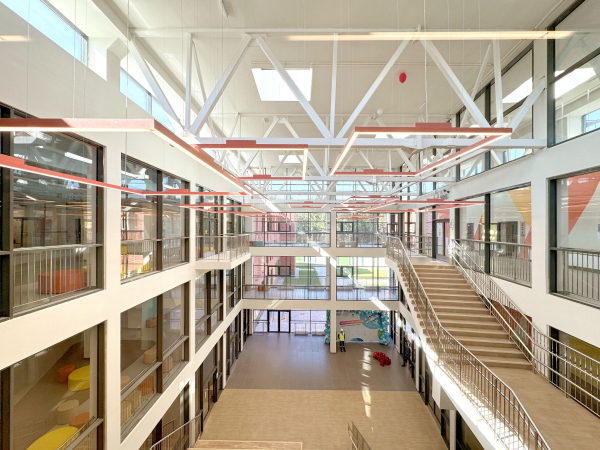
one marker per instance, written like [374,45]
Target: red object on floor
[382,358]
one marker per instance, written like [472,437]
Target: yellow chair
[79,380]
[54,439]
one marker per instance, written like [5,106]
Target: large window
[365,278]
[501,247]
[575,252]
[366,231]
[52,24]
[150,244]
[575,89]
[208,305]
[141,97]
[55,394]
[149,364]
[54,247]
[289,277]
[292,230]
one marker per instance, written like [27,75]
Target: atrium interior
[299,224]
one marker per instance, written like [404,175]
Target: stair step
[247,445]
[496,352]
[460,333]
[465,309]
[441,275]
[480,316]
[508,363]
[444,282]
[476,324]
[450,290]
[499,342]
[451,295]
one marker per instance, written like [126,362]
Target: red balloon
[402,77]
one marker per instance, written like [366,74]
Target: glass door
[442,239]
[273,321]
[284,321]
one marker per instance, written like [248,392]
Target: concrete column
[224,367]
[242,313]
[452,426]
[333,330]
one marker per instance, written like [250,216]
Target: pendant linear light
[118,126]
[442,129]
[239,144]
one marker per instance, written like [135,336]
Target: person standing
[406,354]
[342,338]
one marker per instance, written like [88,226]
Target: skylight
[272,88]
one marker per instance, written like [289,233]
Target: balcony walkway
[563,423]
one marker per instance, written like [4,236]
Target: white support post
[293,87]
[312,159]
[202,90]
[290,128]
[365,158]
[404,157]
[248,162]
[498,84]
[188,82]
[527,104]
[465,116]
[372,89]
[455,83]
[154,86]
[222,83]
[333,85]
[235,122]
[271,127]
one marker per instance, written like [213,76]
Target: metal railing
[295,239]
[179,439]
[173,252]
[357,439]
[45,274]
[509,261]
[417,245]
[287,291]
[578,273]
[366,239]
[490,396]
[138,258]
[222,247]
[571,371]
[354,291]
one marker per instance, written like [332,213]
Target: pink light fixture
[117,126]
[443,129]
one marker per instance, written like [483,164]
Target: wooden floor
[319,419]
[564,424]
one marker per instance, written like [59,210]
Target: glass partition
[292,230]
[365,278]
[54,394]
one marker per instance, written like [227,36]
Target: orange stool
[80,420]
[64,372]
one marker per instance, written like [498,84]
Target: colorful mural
[361,326]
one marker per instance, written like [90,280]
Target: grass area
[302,281]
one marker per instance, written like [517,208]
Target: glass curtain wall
[501,247]
[289,277]
[55,394]
[233,287]
[139,218]
[365,232]
[174,223]
[575,252]
[292,230]
[53,236]
[208,225]
[574,81]
[153,350]
[365,278]
[208,305]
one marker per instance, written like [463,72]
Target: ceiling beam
[211,124]
[293,87]
[498,84]
[475,90]
[372,89]
[333,87]
[455,83]
[222,83]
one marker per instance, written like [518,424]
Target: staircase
[462,313]
[247,445]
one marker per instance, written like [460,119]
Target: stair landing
[247,445]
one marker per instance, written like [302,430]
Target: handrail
[495,401]
[544,352]
[357,439]
[168,438]
[496,242]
